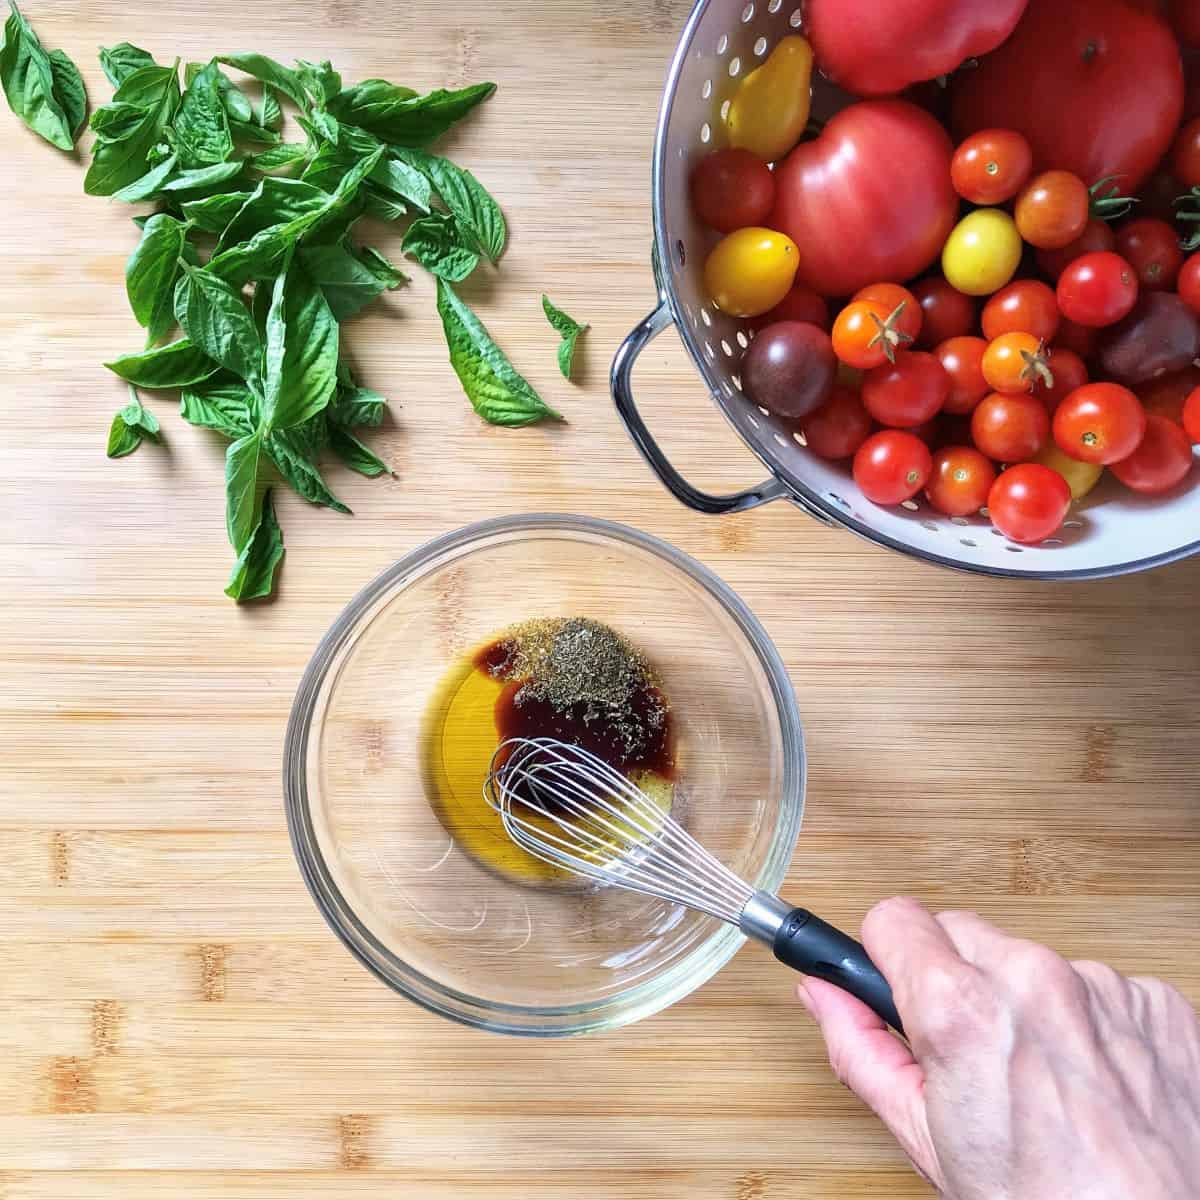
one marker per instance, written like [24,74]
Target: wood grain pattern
[177,1019]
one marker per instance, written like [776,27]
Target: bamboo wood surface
[176,1018]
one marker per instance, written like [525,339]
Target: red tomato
[1069,373]
[962,360]
[1188,283]
[891,466]
[1081,339]
[800,304]
[919,39]
[907,392]
[1026,306]
[1158,194]
[839,426]
[1191,415]
[1151,248]
[1099,423]
[1096,235]
[1166,394]
[869,198]
[960,481]
[1015,362]
[1028,502]
[904,313]
[1097,289]
[1162,459]
[1185,154]
[945,311]
[1052,209]
[991,165]
[1184,16]
[1095,85]
[1010,428]
[732,189]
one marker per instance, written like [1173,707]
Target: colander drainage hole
[747,13]
[911,505]
[705,317]
[780,439]
[760,47]
[722,43]
[681,253]
[1072,524]
[1013,549]
[706,90]
[796,19]
[799,437]
[930,526]
[742,339]
[773,6]
[724,109]
[706,133]
[727,348]
[959,521]
[838,500]
[735,65]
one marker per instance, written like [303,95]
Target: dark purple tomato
[1161,334]
[789,368]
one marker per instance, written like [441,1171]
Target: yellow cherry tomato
[982,252]
[768,112]
[1081,477]
[751,270]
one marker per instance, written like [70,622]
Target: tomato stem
[1037,367]
[887,333]
[1110,204]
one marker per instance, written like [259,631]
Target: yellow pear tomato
[768,112]
[750,270]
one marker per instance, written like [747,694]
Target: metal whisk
[571,809]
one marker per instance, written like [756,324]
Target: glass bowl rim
[621,1008]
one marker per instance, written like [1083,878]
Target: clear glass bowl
[427,918]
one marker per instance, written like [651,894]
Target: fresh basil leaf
[399,117]
[213,213]
[251,131]
[370,103]
[269,115]
[348,282]
[300,472]
[173,365]
[27,75]
[120,61]
[380,206]
[243,495]
[200,178]
[235,102]
[353,406]
[273,202]
[301,350]
[130,425]
[380,266]
[69,91]
[325,125]
[310,437]
[357,456]
[201,126]
[118,164]
[215,318]
[116,122]
[147,186]
[496,391]
[151,272]
[271,72]
[438,244]
[285,154]
[477,212]
[405,181]
[568,329]
[319,80]
[254,572]
[228,407]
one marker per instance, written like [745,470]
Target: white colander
[1112,531]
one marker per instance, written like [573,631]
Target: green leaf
[254,572]
[151,272]
[202,134]
[325,125]
[120,61]
[285,154]
[174,365]
[27,75]
[273,202]
[401,118]
[294,464]
[251,131]
[203,177]
[497,392]
[69,91]
[147,186]
[116,122]
[228,407]
[438,244]
[213,213]
[319,80]
[379,205]
[568,328]
[353,406]
[118,164]
[270,72]
[348,282]
[130,425]
[478,214]
[268,114]
[243,495]
[357,456]
[235,102]
[301,351]
[214,317]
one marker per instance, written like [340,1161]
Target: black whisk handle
[815,947]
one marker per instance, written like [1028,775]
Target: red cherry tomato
[1191,415]
[1184,16]
[1096,236]
[1026,306]
[1166,394]
[1185,154]
[901,306]
[1080,339]
[962,360]
[946,312]
[1069,373]
[1188,283]
[1151,248]
[960,481]
[800,304]
[839,426]
[1162,459]
[1014,362]
[732,189]
[1010,428]
[1099,423]
[1052,209]
[1028,502]
[907,392]
[892,466]
[990,166]
[1097,289]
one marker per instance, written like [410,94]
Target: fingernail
[805,999]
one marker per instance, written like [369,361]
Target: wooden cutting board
[177,1020]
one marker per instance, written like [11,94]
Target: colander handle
[622,390]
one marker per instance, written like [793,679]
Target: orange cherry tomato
[862,337]
[903,309]
[962,360]
[990,166]
[1023,306]
[1052,209]
[1015,362]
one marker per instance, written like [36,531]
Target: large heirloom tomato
[870,198]
[1095,85]
[874,50]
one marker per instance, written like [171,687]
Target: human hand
[1027,1077]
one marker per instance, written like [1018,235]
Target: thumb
[877,1067]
